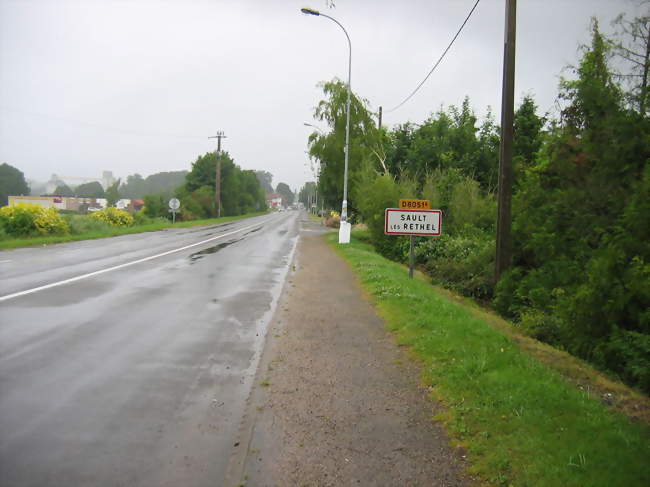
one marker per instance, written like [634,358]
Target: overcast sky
[138,86]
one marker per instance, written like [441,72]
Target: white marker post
[174,205]
[413,222]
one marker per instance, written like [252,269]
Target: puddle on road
[253,231]
[211,250]
[219,226]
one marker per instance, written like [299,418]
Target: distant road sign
[174,204]
[412,222]
[414,204]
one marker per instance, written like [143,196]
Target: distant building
[122,204]
[274,200]
[57,202]
[107,179]
[61,202]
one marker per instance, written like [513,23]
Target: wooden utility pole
[504,239]
[379,121]
[217,186]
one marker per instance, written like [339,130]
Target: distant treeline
[163,183]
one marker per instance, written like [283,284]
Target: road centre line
[120,266]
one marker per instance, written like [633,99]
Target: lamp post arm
[344,31]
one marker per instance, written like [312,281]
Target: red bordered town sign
[412,222]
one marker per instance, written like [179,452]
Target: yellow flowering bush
[114,217]
[27,219]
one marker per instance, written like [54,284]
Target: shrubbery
[462,263]
[374,193]
[25,220]
[333,220]
[114,217]
[462,258]
[81,224]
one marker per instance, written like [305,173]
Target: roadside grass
[519,420]
[116,231]
[315,218]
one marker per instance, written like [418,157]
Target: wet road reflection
[137,376]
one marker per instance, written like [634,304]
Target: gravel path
[336,402]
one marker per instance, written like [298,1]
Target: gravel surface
[336,402]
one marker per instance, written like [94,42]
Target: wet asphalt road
[137,376]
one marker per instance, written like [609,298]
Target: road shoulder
[335,400]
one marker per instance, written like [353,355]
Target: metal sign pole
[174,205]
[412,257]
[407,220]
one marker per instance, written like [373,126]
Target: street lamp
[314,127]
[344,230]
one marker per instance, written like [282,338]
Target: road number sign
[414,204]
[412,222]
[174,204]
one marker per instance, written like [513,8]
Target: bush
[83,224]
[333,220]
[154,206]
[375,193]
[198,204]
[471,209]
[24,220]
[142,218]
[114,217]
[542,326]
[628,353]
[462,263]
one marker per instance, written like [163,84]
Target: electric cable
[438,62]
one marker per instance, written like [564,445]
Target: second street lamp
[314,127]
[344,230]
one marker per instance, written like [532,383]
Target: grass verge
[520,421]
[113,232]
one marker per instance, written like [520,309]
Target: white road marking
[4,261]
[116,267]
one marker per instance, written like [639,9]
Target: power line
[438,62]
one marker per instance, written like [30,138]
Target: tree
[307,193]
[240,190]
[633,48]
[284,190]
[155,206]
[134,187]
[113,193]
[266,180]
[580,227]
[447,139]
[63,190]
[328,148]
[12,183]
[528,137]
[163,183]
[89,190]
